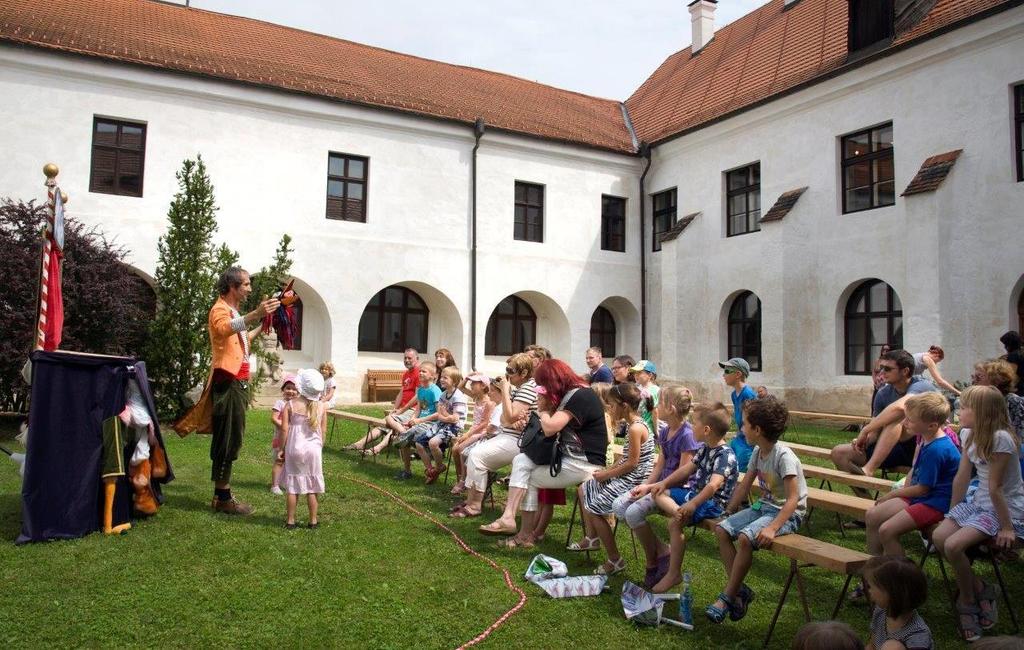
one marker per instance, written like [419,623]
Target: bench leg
[362,452]
[632,538]
[842,596]
[1006,596]
[803,595]
[330,431]
[782,601]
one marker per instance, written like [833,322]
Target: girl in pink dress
[303,446]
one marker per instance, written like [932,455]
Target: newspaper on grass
[552,575]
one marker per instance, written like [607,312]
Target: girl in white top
[328,398]
[478,386]
[996,515]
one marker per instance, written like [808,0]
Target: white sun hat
[310,384]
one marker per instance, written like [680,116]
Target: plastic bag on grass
[551,575]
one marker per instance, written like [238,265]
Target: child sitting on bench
[715,473]
[925,499]
[779,511]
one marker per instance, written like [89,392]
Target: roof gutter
[645,153]
[478,132]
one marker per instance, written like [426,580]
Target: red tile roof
[678,227]
[783,205]
[766,53]
[189,40]
[933,171]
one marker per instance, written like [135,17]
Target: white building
[298,130]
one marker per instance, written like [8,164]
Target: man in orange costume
[221,409]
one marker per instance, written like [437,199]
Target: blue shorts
[707,510]
[750,522]
[423,438]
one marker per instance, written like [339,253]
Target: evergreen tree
[178,355]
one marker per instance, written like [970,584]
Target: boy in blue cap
[735,372]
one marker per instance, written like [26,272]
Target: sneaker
[276,490]
[231,507]
[403,476]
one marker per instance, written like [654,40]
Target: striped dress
[598,497]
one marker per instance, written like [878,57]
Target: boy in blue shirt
[925,499]
[735,372]
[423,417]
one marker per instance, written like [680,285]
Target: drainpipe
[645,153]
[478,132]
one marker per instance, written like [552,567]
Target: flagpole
[50,170]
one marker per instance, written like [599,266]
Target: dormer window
[871,25]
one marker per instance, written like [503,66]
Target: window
[745,329]
[743,200]
[118,157]
[394,319]
[664,216]
[868,176]
[602,331]
[529,217]
[346,187]
[297,341]
[874,317]
[613,223]
[511,327]
[870,22]
[1018,119]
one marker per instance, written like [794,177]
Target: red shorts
[923,515]
[551,497]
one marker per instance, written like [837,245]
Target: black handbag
[546,450]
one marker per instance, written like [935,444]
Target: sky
[605,48]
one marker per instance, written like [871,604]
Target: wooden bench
[809,450]
[829,475]
[834,417]
[802,552]
[377,380]
[368,420]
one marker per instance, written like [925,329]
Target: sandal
[458,488]
[513,543]
[495,531]
[586,544]
[971,631]
[610,568]
[458,506]
[717,614]
[462,513]
[987,614]
[743,600]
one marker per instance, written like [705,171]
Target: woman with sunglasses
[518,399]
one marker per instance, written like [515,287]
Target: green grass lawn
[373,575]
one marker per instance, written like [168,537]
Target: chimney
[702,21]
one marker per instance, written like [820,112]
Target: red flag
[54,302]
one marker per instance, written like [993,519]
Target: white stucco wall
[267,152]
[950,255]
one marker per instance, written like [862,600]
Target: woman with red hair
[568,406]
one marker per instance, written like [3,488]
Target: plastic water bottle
[686,602]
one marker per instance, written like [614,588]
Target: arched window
[394,319]
[874,317]
[745,329]
[511,327]
[1020,312]
[602,331]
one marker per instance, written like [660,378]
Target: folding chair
[615,529]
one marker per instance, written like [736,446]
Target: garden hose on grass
[466,547]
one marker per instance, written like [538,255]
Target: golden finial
[51,170]
[63,197]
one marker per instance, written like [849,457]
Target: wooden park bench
[377,380]
[803,552]
[369,421]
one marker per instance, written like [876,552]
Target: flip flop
[461,513]
[497,532]
[857,469]
[458,506]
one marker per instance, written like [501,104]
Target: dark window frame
[871,157]
[741,347]
[750,188]
[522,312]
[613,224]
[892,310]
[526,205]
[1018,124]
[603,331]
[379,311]
[666,213]
[346,179]
[117,149]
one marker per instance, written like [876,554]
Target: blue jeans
[707,510]
[750,522]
